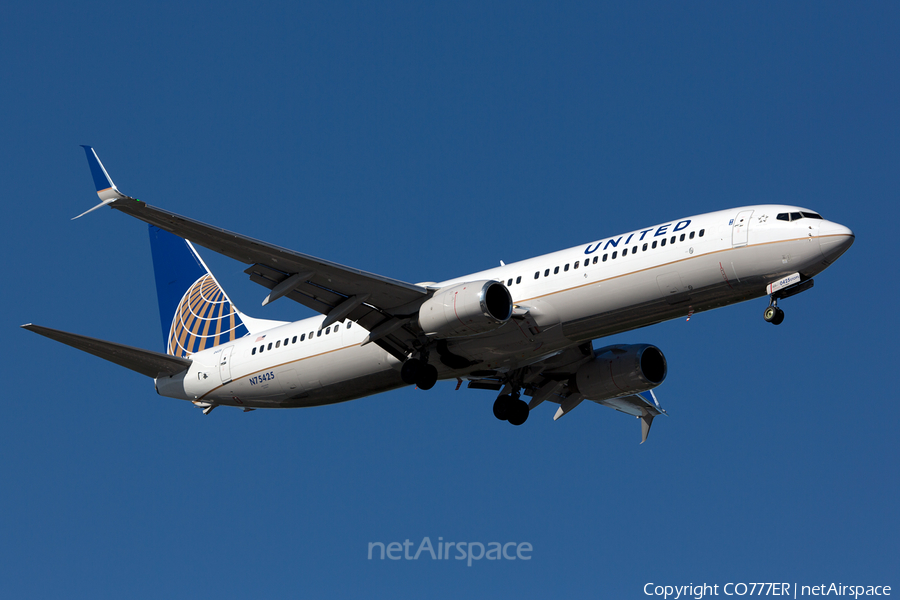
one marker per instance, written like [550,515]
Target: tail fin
[194,310]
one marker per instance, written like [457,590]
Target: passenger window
[702,231]
[614,254]
[278,344]
[538,274]
[654,245]
[261,348]
[336,327]
[294,340]
[311,333]
[556,270]
[604,257]
[319,333]
[663,242]
[254,350]
[518,280]
[303,337]
[634,250]
[576,263]
[624,253]
[509,283]
[692,235]
[270,346]
[285,341]
[349,323]
[546,272]
[566,268]
[644,248]
[672,241]
[681,239]
[327,330]
[595,259]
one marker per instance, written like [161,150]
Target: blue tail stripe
[194,310]
[176,269]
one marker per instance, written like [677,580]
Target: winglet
[646,422]
[647,418]
[106,189]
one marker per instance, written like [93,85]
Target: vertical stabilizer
[194,310]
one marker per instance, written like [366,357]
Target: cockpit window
[796,216]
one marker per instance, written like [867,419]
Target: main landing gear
[509,407]
[419,373]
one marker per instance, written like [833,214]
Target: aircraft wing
[550,380]
[145,362]
[380,304]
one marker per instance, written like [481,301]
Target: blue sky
[422,143]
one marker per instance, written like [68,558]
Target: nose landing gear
[773,314]
[784,288]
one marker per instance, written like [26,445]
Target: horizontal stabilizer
[145,362]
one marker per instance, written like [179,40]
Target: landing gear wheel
[779,317]
[773,315]
[427,377]
[411,370]
[502,406]
[518,413]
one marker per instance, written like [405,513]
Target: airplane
[520,329]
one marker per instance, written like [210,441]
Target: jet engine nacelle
[620,370]
[466,309]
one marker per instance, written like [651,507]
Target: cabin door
[225,364]
[741,228]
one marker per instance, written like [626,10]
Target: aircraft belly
[310,380]
[689,286]
[524,337]
[339,391]
[348,389]
[499,351]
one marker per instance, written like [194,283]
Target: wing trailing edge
[327,287]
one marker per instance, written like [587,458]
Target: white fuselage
[565,298]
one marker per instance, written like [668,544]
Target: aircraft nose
[834,240]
